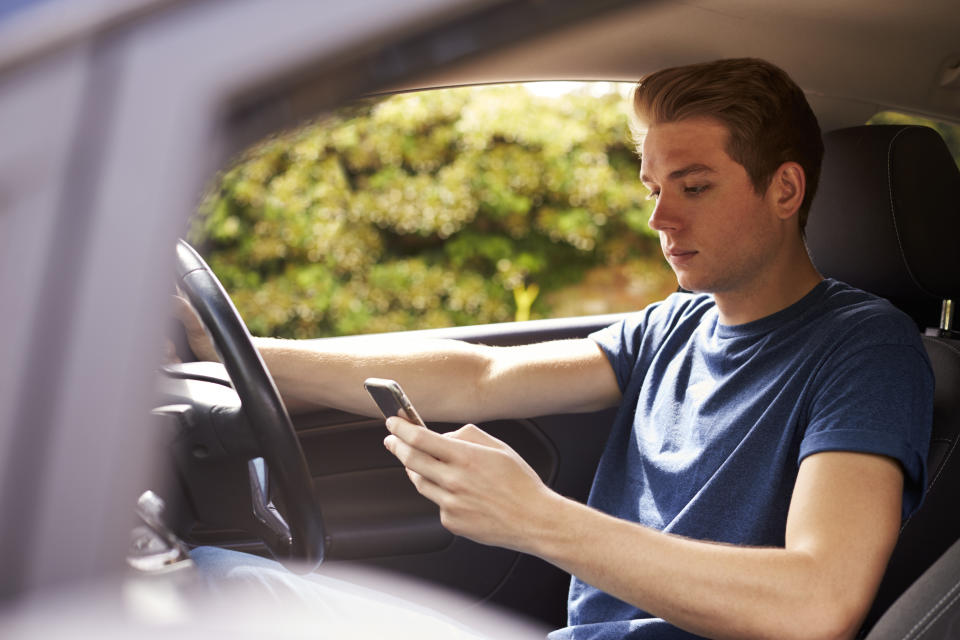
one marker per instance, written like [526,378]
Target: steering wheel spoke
[263,508]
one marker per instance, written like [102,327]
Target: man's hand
[484,489]
[200,342]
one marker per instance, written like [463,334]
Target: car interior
[883,199]
[89,257]
[885,196]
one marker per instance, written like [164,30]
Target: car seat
[883,220]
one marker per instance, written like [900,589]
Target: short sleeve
[619,342]
[630,343]
[878,400]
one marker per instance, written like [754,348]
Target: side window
[441,208]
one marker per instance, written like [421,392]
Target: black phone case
[390,398]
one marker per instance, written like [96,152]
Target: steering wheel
[297,537]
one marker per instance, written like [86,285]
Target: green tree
[442,208]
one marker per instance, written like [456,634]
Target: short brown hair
[766,113]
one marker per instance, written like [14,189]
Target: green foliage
[427,209]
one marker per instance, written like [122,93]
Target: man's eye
[696,190]
[653,195]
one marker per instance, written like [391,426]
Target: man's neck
[775,291]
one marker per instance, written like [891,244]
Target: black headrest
[886,217]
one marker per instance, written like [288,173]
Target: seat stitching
[893,217]
[946,345]
[946,458]
[943,465]
[933,609]
[936,477]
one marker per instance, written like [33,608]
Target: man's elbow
[835,629]
[830,618]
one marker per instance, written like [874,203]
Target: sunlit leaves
[427,209]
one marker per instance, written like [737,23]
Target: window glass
[440,208]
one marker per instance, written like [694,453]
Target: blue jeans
[337,606]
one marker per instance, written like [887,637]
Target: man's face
[716,232]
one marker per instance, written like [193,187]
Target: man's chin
[692,285]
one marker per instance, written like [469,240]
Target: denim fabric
[337,608]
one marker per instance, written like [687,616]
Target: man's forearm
[719,591]
[436,374]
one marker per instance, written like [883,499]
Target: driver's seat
[887,219]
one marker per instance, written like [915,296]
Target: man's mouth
[679,256]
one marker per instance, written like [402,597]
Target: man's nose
[664,217]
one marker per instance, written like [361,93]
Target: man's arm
[842,525]
[447,380]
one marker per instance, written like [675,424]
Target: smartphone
[391,399]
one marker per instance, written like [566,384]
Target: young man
[763,456]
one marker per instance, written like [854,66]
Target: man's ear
[787,188]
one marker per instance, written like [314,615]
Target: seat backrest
[930,608]
[887,219]
[936,525]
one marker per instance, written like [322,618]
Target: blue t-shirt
[715,420]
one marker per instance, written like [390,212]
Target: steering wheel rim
[301,546]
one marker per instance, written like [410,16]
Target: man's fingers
[187,315]
[423,439]
[413,459]
[170,352]
[426,487]
[183,310]
[200,342]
